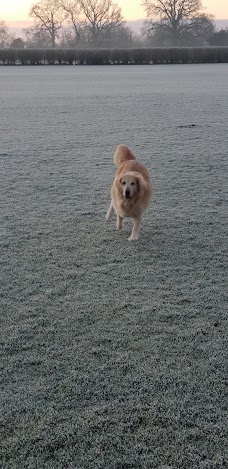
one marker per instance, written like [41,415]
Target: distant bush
[154,55]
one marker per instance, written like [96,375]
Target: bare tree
[49,16]
[120,37]
[199,30]
[5,37]
[76,20]
[219,38]
[101,16]
[37,37]
[175,19]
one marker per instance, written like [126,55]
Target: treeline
[100,24]
[140,56]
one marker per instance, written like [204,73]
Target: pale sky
[14,10]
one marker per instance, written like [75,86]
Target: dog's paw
[133,238]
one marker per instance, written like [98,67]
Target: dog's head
[131,183]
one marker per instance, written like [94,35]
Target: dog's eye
[132,183]
[123,182]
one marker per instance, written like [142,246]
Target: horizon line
[129,19]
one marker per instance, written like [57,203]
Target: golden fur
[131,190]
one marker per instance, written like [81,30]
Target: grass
[113,353]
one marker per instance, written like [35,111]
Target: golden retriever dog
[131,190]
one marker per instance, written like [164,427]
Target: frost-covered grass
[113,353]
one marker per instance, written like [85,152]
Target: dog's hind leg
[110,212]
[135,231]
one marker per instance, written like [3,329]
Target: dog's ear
[141,181]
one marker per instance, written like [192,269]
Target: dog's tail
[123,153]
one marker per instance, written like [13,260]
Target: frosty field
[113,353]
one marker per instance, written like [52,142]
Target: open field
[113,354]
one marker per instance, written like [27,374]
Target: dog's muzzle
[127,194]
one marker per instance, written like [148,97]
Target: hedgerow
[140,56]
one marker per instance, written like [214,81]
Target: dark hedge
[155,55]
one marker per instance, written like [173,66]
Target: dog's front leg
[110,212]
[135,231]
[119,222]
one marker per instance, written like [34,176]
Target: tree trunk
[52,32]
[175,35]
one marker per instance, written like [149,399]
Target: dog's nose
[127,193]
